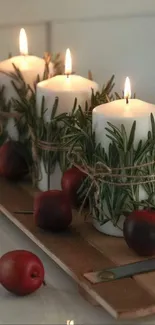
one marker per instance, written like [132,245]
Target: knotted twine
[100,171]
[55,147]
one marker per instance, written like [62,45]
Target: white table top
[55,303]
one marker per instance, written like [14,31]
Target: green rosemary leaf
[153,125]
[116,129]
[117,96]
[110,84]
[149,135]
[115,137]
[42,107]
[55,107]
[110,137]
[124,138]
[139,147]
[76,139]
[108,199]
[60,117]
[131,136]
[74,106]
[144,150]
[18,72]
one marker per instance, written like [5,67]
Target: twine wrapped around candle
[100,171]
[53,146]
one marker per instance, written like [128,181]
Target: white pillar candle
[124,112]
[30,66]
[66,87]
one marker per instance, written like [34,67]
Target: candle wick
[127,100]
[67,74]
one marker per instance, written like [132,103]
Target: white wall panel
[17,11]
[87,9]
[106,36]
[123,46]
[9,39]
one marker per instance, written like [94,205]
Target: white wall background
[106,36]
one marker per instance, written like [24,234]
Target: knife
[23,212]
[120,272]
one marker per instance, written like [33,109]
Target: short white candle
[66,87]
[30,67]
[124,111]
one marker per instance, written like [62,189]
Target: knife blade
[23,212]
[119,272]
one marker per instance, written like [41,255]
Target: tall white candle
[30,67]
[66,87]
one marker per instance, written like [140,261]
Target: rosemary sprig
[64,129]
[4,108]
[108,201]
[105,95]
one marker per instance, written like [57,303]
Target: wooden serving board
[82,249]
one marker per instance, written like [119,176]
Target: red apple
[13,164]
[52,211]
[139,232]
[71,181]
[21,272]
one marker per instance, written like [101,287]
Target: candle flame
[127,89]
[68,62]
[70,322]
[23,45]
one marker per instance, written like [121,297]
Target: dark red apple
[13,164]
[139,232]
[71,181]
[21,272]
[52,211]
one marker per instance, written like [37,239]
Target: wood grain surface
[82,249]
